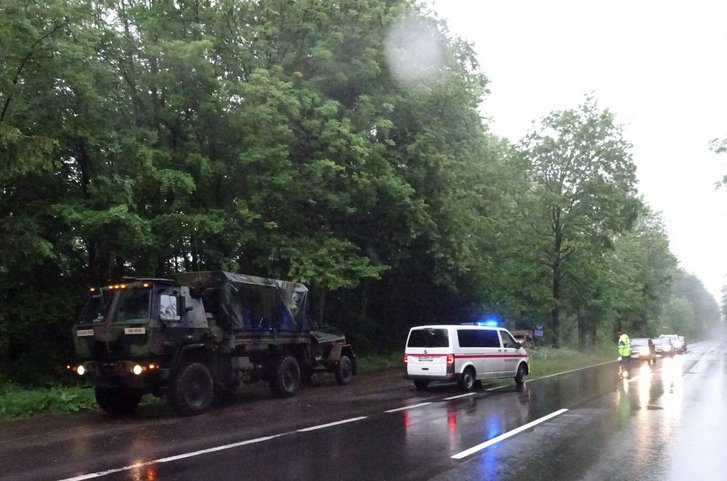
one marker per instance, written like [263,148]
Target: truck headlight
[81,370]
[137,369]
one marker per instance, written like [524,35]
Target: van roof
[446,326]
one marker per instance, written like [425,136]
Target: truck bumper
[141,375]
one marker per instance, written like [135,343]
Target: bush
[19,402]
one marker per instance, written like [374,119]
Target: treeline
[339,144]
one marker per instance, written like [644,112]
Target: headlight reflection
[142,472]
[645,378]
[671,378]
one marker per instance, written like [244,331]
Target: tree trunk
[555,312]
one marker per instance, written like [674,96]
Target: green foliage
[691,311]
[19,402]
[583,195]
[377,362]
[276,138]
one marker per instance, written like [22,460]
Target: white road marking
[407,407]
[98,474]
[506,435]
[168,459]
[461,455]
[336,423]
[459,396]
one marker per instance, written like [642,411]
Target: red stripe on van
[469,356]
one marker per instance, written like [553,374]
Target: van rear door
[426,350]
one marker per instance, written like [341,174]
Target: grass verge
[546,360]
[17,402]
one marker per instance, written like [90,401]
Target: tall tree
[584,178]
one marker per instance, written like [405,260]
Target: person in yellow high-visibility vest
[624,351]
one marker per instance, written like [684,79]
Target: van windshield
[428,338]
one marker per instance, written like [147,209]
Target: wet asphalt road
[661,425]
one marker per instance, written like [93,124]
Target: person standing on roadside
[624,351]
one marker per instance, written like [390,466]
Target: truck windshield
[132,307]
[93,310]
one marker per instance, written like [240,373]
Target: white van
[465,354]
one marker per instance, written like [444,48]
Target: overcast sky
[658,66]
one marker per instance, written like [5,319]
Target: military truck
[200,335]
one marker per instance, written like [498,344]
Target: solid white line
[168,459]
[336,423]
[506,435]
[459,396]
[98,474]
[407,407]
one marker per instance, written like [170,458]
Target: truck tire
[344,371]
[117,401]
[192,390]
[285,376]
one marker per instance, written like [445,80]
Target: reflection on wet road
[582,425]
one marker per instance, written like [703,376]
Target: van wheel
[421,384]
[191,390]
[285,379]
[520,375]
[467,381]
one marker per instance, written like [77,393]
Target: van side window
[507,340]
[489,338]
[428,338]
[478,338]
[468,338]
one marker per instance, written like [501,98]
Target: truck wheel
[285,378]
[117,401]
[520,375]
[344,370]
[191,391]
[467,381]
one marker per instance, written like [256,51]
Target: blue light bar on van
[484,321]
[488,323]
